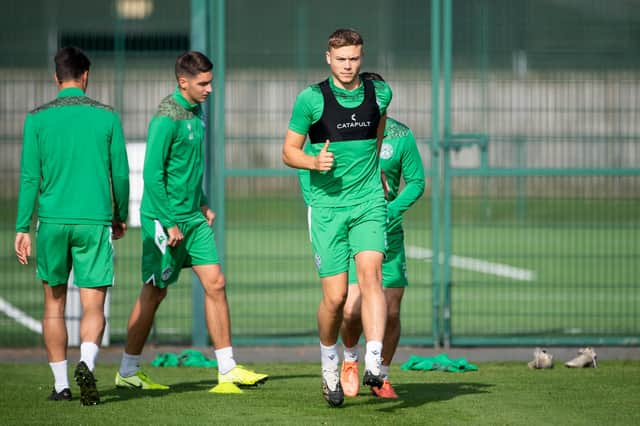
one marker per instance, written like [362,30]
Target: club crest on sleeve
[386,151]
[190,129]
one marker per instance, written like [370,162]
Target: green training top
[174,162]
[356,174]
[73,160]
[399,158]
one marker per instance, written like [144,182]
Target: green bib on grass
[186,358]
[440,362]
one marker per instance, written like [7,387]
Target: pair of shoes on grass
[349,378]
[227,383]
[335,384]
[587,357]
[86,381]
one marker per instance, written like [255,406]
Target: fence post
[446,118]
[200,16]
[435,169]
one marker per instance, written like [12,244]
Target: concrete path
[311,353]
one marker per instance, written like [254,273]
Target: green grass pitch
[498,393]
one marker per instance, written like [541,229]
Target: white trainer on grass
[541,359]
[587,357]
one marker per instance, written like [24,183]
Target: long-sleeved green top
[400,158]
[74,162]
[174,162]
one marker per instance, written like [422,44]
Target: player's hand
[324,160]
[22,247]
[118,229]
[385,184]
[175,236]
[208,214]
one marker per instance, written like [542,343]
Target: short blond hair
[345,37]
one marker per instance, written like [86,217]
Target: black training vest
[346,124]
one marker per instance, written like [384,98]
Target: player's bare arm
[380,133]
[175,236]
[294,156]
[22,247]
[118,229]
[208,214]
[385,184]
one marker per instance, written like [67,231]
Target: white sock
[129,365]
[60,375]
[225,360]
[373,357]
[89,353]
[384,370]
[351,354]
[329,357]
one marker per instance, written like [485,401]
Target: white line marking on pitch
[20,316]
[500,269]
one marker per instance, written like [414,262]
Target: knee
[54,310]
[93,308]
[393,317]
[350,315]
[370,278]
[156,295]
[335,301]
[351,312]
[215,284]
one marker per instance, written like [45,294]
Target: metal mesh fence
[541,241]
[544,216]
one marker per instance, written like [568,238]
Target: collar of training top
[70,91]
[182,101]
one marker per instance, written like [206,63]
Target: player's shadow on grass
[114,394]
[292,376]
[417,394]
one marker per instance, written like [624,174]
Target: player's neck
[192,102]
[346,86]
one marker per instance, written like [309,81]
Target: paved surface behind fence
[311,353]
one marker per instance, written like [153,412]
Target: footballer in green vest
[74,164]
[399,160]
[343,118]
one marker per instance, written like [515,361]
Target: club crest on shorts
[166,274]
[386,151]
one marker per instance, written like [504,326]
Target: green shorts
[394,267]
[339,233]
[86,248]
[161,264]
